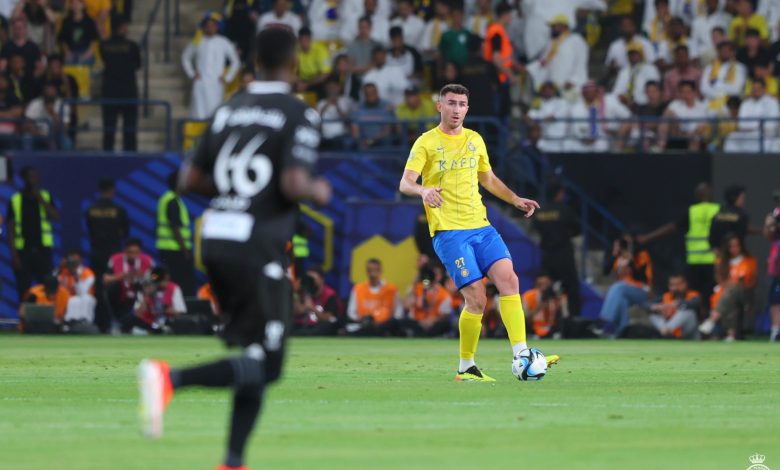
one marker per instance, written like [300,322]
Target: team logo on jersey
[472,147]
[464,272]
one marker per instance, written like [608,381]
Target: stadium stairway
[167,80]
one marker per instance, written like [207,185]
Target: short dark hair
[732,192]
[733,102]
[377,49]
[367,19]
[752,32]
[453,88]
[173,180]
[759,80]
[275,48]
[688,83]
[133,242]
[718,28]
[661,1]
[374,261]
[502,8]
[106,184]
[396,31]
[554,188]
[679,274]
[681,47]
[73,251]
[304,31]
[652,83]
[25,171]
[55,58]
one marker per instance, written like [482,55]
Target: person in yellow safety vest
[30,234]
[174,237]
[695,223]
[300,247]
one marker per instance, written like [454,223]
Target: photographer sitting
[79,281]
[374,306]
[545,305]
[319,311]
[50,292]
[159,300]
[677,314]
[126,271]
[429,303]
[633,270]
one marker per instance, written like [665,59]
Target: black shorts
[256,303]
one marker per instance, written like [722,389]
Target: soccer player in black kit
[255,160]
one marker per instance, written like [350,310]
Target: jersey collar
[264,88]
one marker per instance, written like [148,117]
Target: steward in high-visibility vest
[174,237]
[497,49]
[30,233]
[699,254]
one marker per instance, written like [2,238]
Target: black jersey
[250,141]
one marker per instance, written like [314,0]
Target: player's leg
[457,256]
[494,258]
[510,306]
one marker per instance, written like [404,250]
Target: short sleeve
[418,156]
[300,149]
[484,161]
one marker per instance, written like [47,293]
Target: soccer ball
[529,364]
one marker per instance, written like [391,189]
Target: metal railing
[651,134]
[145,43]
[105,102]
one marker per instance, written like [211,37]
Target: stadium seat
[81,73]
[191,132]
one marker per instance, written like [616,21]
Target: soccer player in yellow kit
[453,162]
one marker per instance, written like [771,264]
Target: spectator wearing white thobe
[324,20]
[203,61]
[617,54]
[280,16]
[551,113]
[390,80]
[478,22]
[380,24]
[538,14]
[631,80]
[749,131]
[597,119]
[565,59]
[724,77]
[434,30]
[701,29]
[411,24]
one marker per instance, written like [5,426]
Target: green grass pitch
[70,403]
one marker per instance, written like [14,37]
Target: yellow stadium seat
[310,98]
[191,132]
[81,73]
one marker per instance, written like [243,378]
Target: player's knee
[507,283]
[475,302]
[249,372]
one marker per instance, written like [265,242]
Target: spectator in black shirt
[732,218]
[78,35]
[10,108]
[21,44]
[654,108]
[557,224]
[41,20]
[67,88]
[752,52]
[23,86]
[108,227]
[121,59]
[240,24]
[481,79]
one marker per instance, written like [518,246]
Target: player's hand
[432,197]
[321,192]
[528,206]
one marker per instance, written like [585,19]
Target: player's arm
[497,188]
[409,186]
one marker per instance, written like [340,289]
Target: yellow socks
[511,309]
[470,326]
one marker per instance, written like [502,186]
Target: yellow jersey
[452,163]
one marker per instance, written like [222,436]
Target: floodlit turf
[70,403]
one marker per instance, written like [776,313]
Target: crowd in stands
[49,49]
[687,74]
